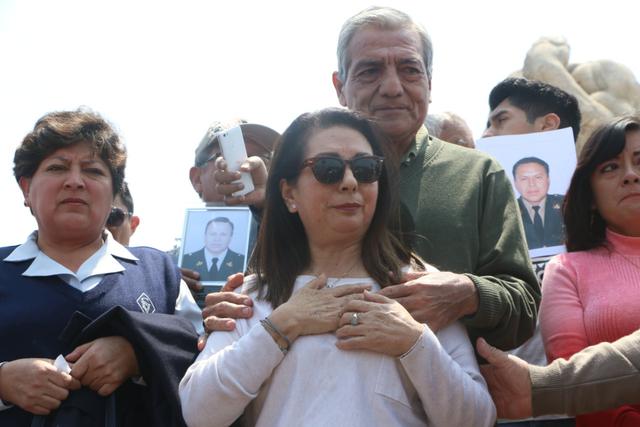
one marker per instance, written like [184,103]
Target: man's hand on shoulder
[437,299]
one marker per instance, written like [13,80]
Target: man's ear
[550,121]
[135,222]
[339,85]
[194,176]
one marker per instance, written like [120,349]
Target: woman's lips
[348,206]
[631,196]
[73,201]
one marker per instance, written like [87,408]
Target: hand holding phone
[235,153]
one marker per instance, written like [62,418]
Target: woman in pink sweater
[592,293]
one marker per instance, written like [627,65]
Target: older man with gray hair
[461,203]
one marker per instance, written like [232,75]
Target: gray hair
[384,18]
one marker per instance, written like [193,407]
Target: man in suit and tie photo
[215,261]
[541,212]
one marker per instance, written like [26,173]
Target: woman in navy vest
[69,168]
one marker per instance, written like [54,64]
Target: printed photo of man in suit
[541,212]
[215,261]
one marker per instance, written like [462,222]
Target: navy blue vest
[35,310]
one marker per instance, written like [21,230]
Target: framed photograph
[540,166]
[215,243]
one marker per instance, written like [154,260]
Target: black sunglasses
[211,158]
[117,216]
[330,169]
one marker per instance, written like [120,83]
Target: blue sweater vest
[35,310]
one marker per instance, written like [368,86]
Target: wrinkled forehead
[372,42]
[82,151]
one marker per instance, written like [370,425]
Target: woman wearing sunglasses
[68,169]
[322,347]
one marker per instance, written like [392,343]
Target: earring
[25,203]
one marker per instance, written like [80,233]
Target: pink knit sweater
[591,296]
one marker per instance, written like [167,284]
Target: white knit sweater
[436,383]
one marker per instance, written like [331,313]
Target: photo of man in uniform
[541,212]
[215,261]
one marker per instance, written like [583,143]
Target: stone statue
[604,88]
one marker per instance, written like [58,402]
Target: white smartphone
[235,153]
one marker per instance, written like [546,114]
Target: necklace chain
[335,280]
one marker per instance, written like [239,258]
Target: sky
[162,71]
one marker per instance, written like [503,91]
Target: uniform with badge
[549,230]
[232,262]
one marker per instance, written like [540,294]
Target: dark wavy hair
[585,227]
[64,129]
[282,251]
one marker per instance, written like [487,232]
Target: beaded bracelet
[275,332]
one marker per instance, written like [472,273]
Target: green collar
[421,139]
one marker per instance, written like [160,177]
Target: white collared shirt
[208,257]
[89,275]
[530,210]
[103,261]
